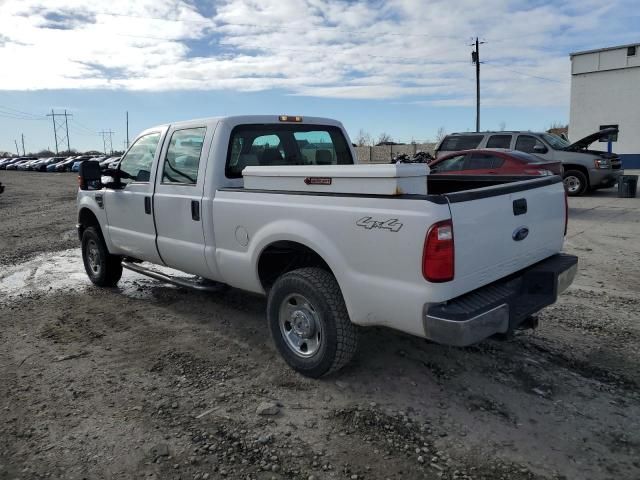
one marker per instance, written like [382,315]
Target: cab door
[129,208]
[178,198]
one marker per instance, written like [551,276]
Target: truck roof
[494,132]
[252,119]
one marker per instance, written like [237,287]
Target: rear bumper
[500,306]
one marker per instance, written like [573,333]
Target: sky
[402,67]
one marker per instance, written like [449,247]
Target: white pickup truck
[276,205]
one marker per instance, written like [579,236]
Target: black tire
[102,268]
[575,182]
[338,337]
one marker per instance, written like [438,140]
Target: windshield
[556,142]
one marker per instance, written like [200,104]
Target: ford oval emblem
[520,233]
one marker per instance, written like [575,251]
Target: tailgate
[500,230]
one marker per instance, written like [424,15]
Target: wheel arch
[88,217]
[575,166]
[281,256]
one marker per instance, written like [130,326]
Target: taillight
[538,171]
[437,256]
[80,183]
[566,212]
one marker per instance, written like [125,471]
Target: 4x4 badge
[392,224]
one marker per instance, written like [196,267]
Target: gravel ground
[151,381]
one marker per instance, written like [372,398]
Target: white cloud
[323,48]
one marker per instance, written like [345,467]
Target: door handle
[147,205]
[195,210]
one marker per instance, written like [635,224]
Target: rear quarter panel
[379,270]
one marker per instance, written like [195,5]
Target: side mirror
[540,149]
[89,175]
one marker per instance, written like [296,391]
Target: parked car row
[583,168]
[55,164]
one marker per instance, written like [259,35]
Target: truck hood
[584,143]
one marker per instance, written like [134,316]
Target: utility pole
[475,58]
[127,130]
[60,130]
[104,134]
[17,149]
[23,152]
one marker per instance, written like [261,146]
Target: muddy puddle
[63,272]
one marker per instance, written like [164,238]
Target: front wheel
[102,268]
[309,322]
[575,182]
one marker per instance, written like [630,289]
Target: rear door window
[286,144]
[482,161]
[526,143]
[499,141]
[453,143]
[183,156]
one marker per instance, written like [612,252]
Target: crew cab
[276,205]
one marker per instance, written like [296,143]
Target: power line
[14,111]
[493,65]
[13,116]
[88,130]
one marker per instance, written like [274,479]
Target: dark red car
[494,162]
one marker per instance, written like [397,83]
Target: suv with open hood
[584,169]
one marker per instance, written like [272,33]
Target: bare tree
[363,139]
[442,132]
[384,138]
[558,126]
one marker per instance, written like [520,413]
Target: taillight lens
[566,212]
[538,171]
[437,256]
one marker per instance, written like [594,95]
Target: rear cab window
[454,143]
[285,144]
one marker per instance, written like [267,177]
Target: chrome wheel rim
[93,257]
[300,325]
[572,184]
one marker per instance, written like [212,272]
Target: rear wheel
[309,322]
[102,268]
[575,182]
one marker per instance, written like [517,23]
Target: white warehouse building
[605,91]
